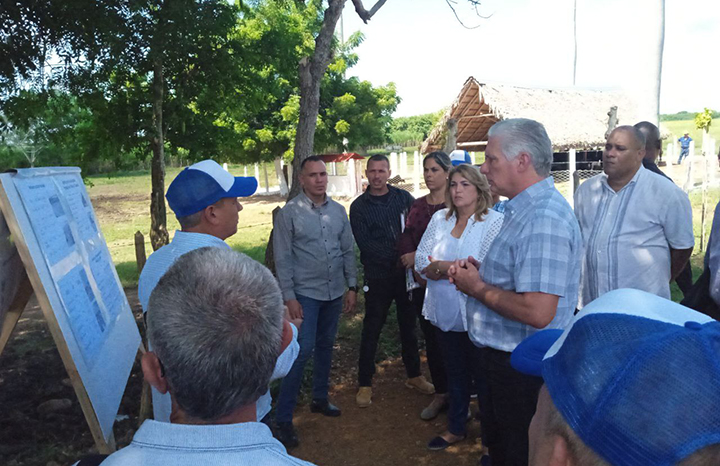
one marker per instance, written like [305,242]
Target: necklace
[432,208]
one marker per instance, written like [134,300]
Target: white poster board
[64,253]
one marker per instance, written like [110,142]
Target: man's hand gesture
[464,274]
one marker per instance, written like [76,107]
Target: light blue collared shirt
[162,443]
[157,264]
[628,234]
[538,249]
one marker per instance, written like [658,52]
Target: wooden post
[703,212]
[267,183]
[145,393]
[689,178]
[394,164]
[270,250]
[140,251]
[352,182]
[417,173]
[281,176]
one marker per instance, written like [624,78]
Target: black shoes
[285,433]
[325,408]
[439,443]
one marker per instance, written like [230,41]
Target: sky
[421,47]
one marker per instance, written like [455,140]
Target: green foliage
[349,108]
[414,129]
[703,120]
[678,128]
[62,131]
[684,116]
[230,81]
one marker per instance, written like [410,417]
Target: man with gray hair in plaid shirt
[528,281]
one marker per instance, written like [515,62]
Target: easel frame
[32,280]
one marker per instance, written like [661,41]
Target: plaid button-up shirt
[538,249]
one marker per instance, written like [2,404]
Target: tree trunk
[451,141]
[311,72]
[158,223]
[312,69]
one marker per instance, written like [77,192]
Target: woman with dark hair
[467,227]
[435,172]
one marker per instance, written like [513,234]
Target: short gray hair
[190,221]
[215,321]
[518,135]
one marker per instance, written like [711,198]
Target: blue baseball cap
[636,377]
[203,184]
[459,157]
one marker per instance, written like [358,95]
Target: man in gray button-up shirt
[315,260]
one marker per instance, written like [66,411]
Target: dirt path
[389,432]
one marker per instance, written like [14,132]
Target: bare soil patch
[133,205]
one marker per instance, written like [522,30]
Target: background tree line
[230,89]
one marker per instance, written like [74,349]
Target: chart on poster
[54,227]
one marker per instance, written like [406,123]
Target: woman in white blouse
[466,228]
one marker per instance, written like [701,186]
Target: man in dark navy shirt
[377,217]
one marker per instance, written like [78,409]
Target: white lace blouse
[475,241]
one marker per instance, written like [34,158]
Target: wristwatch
[352,288]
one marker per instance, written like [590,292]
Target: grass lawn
[678,128]
[122,205]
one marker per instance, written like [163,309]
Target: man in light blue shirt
[529,280]
[215,322]
[204,199]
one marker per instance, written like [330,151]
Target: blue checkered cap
[636,376]
[203,184]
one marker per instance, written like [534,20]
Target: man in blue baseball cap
[632,381]
[204,199]
[459,157]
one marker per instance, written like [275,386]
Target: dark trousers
[684,279]
[432,347]
[508,401]
[462,365]
[380,294]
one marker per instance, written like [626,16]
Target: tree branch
[363,13]
[475,4]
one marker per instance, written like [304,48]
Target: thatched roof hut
[574,119]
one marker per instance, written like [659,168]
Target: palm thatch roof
[573,118]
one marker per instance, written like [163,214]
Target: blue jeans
[683,153]
[317,333]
